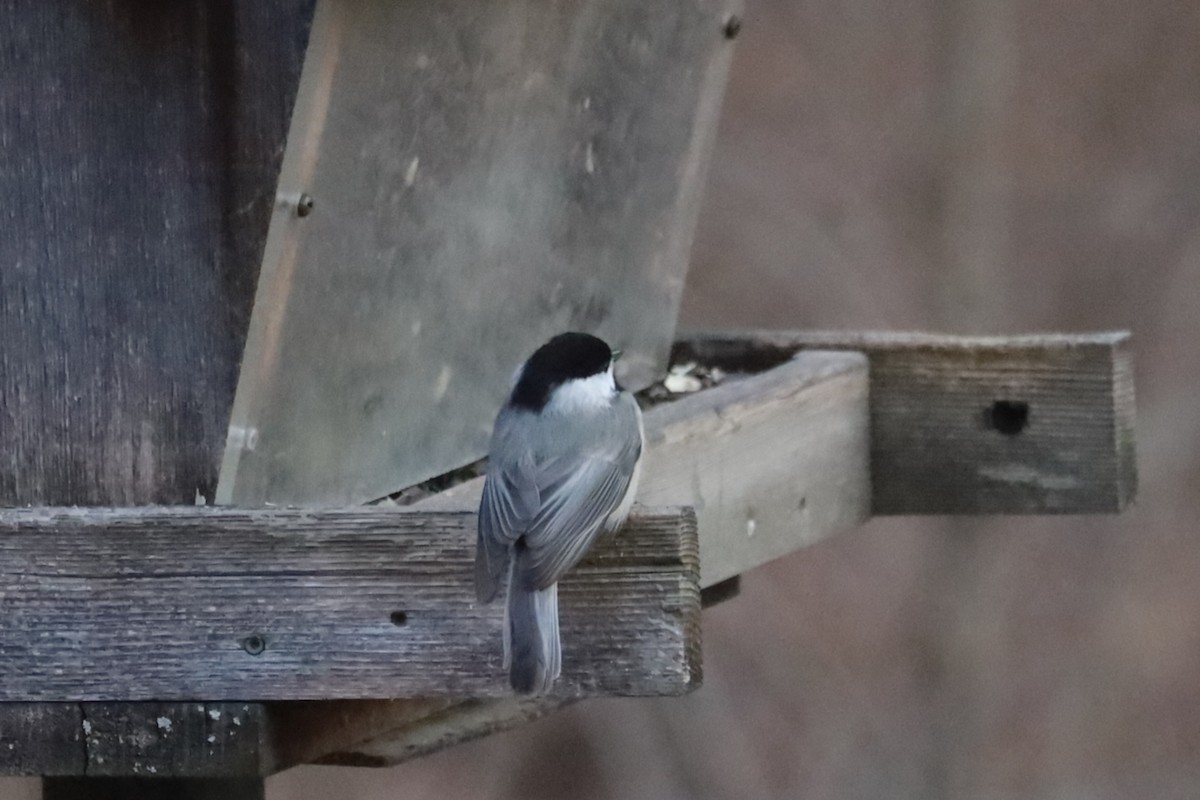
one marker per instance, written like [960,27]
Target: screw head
[732,26]
[254,645]
[304,206]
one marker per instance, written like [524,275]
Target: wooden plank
[41,739]
[302,604]
[164,740]
[979,425]
[148,739]
[133,231]
[133,236]
[786,449]
[772,463]
[483,175]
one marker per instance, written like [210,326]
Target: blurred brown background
[965,166]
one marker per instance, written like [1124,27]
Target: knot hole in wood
[1008,417]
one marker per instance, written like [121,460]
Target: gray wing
[555,494]
[509,505]
[576,498]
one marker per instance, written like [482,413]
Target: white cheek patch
[583,394]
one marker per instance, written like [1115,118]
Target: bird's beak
[616,354]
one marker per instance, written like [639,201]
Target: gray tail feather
[532,650]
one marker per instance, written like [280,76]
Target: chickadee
[562,469]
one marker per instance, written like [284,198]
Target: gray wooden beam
[978,425]
[179,603]
[772,462]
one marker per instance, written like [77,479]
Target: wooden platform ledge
[225,604]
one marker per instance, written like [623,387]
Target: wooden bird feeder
[224,340]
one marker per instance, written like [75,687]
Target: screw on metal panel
[254,645]
[304,206]
[733,26]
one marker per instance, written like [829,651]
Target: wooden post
[141,148]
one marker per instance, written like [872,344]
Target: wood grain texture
[141,144]
[162,740]
[485,175]
[936,445]
[179,603]
[772,463]
[42,739]
[152,740]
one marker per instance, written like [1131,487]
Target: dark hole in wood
[1009,417]
[254,645]
[399,618]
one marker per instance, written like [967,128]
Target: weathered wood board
[979,425]
[151,740]
[185,603]
[141,144]
[483,175]
[42,739]
[157,740]
[772,462]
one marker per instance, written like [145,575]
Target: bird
[563,468]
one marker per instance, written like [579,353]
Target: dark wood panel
[141,145]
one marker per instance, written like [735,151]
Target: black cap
[566,357]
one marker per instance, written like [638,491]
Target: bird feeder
[270,263]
